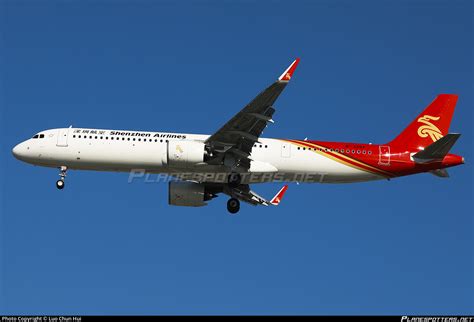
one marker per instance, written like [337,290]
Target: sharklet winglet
[288,73]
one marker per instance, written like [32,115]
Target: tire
[233,205]
[60,184]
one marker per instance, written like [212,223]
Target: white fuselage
[125,151]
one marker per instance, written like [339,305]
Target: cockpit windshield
[38,136]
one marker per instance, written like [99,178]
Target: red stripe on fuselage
[342,158]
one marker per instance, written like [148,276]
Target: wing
[237,137]
[244,193]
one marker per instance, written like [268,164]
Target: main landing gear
[234,179]
[62,175]
[233,205]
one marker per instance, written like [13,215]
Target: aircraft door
[384,155]
[62,137]
[285,150]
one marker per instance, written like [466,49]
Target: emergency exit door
[384,155]
[285,150]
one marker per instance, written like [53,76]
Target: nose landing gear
[60,184]
[233,205]
[62,175]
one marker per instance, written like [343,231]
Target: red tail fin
[431,125]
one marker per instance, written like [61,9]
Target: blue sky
[103,246]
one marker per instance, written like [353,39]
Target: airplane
[236,155]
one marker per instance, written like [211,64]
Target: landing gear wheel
[233,205]
[62,175]
[234,179]
[60,184]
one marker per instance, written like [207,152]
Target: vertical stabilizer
[428,127]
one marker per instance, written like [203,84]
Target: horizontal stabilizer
[438,150]
[442,173]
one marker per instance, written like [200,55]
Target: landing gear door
[285,150]
[62,137]
[384,155]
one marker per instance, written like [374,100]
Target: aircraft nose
[17,151]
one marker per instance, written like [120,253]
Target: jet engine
[188,194]
[185,153]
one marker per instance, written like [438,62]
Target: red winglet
[286,76]
[277,199]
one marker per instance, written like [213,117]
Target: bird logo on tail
[429,128]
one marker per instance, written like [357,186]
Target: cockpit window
[38,136]
[41,136]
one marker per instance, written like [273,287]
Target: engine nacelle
[188,194]
[185,153]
